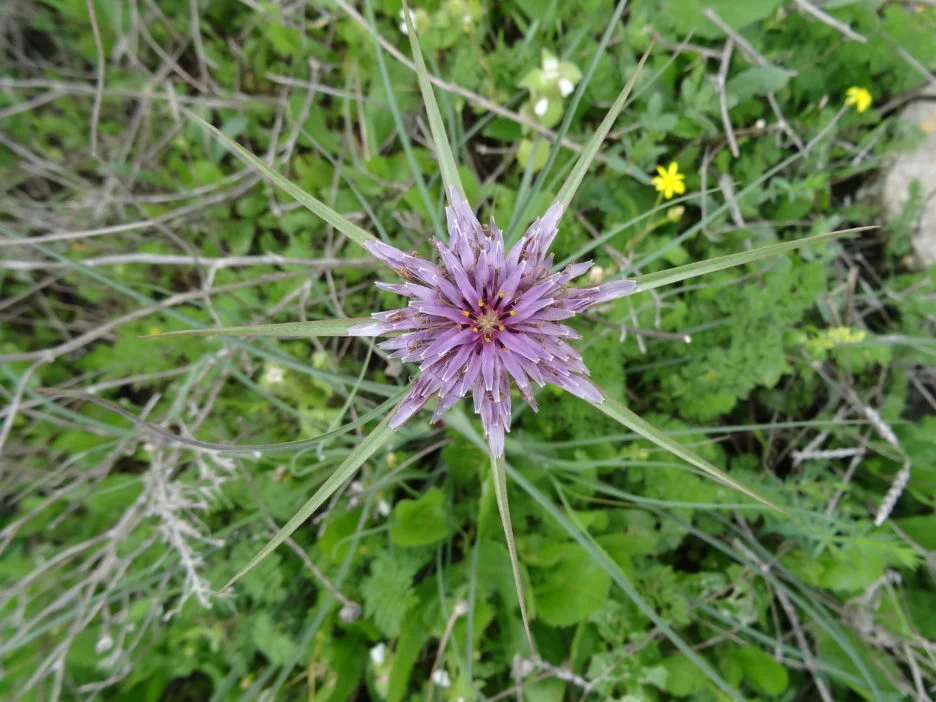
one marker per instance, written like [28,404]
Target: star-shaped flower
[859,97]
[484,316]
[669,181]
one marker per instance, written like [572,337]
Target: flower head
[485,315]
[669,181]
[859,97]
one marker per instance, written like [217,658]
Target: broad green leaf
[499,474]
[618,412]
[763,671]
[316,206]
[572,183]
[692,270]
[355,459]
[683,677]
[420,522]
[447,166]
[758,80]
[921,528]
[687,15]
[324,327]
[572,589]
[335,539]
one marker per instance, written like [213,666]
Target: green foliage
[420,522]
[660,583]
[388,592]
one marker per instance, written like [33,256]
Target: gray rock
[920,165]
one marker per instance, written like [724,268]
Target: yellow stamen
[466,313]
[475,330]
[500,327]
[480,303]
[513,313]
[487,340]
[500,295]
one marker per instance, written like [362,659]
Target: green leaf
[355,459]
[763,670]
[316,206]
[420,522]
[618,412]
[335,540]
[270,641]
[572,183]
[574,588]
[693,270]
[683,676]
[759,80]
[324,327]
[447,166]
[921,529]
[388,591]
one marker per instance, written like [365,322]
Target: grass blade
[572,183]
[324,327]
[313,204]
[364,450]
[691,270]
[447,166]
[499,472]
[619,413]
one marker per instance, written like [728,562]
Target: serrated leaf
[572,589]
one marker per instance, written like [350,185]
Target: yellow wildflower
[670,181]
[859,97]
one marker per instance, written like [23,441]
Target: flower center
[488,322]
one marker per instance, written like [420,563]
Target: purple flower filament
[486,316]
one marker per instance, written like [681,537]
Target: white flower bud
[378,654]
[551,68]
[441,678]
[565,87]
[541,106]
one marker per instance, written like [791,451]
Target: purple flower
[484,316]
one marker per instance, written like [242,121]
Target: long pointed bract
[364,450]
[618,412]
[316,206]
[591,149]
[447,167]
[499,474]
[323,327]
[692,270]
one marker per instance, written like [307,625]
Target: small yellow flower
[670,181]
[859,97]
